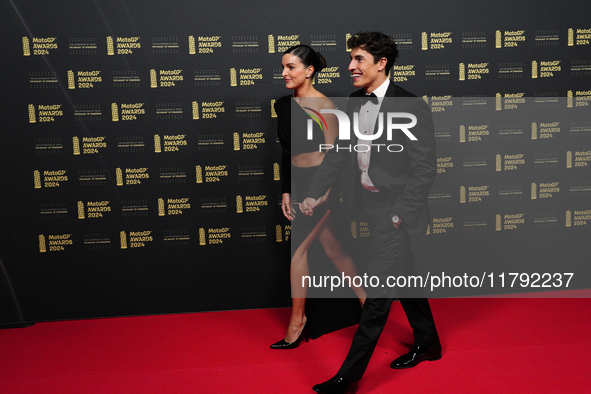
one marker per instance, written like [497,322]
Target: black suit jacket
[406,176]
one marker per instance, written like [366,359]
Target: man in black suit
[391,182]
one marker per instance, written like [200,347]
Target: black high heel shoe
[292,345]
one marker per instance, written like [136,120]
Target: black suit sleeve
[423,166]
[283,110]
[285,173]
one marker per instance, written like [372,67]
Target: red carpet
[490,346]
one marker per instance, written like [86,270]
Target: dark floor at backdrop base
[490,346]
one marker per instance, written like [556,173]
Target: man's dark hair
[376,43]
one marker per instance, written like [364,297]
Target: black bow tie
[369,97]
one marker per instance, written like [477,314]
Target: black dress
[325,314]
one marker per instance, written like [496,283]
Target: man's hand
[307,207]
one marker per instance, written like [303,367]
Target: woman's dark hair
[376,43]
[308,56]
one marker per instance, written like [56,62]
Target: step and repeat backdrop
[140,163]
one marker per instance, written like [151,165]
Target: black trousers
[390,255]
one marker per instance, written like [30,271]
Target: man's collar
[381,90]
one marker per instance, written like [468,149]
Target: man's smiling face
[364,70]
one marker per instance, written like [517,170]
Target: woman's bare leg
[298,269]
[341,260]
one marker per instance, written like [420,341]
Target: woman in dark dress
[303,157]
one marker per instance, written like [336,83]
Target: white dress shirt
[368,114]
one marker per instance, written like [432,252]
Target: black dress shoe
[416,355]
[335,385]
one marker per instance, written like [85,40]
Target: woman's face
[294,72]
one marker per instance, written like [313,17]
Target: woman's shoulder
[319,102]
[325,103]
